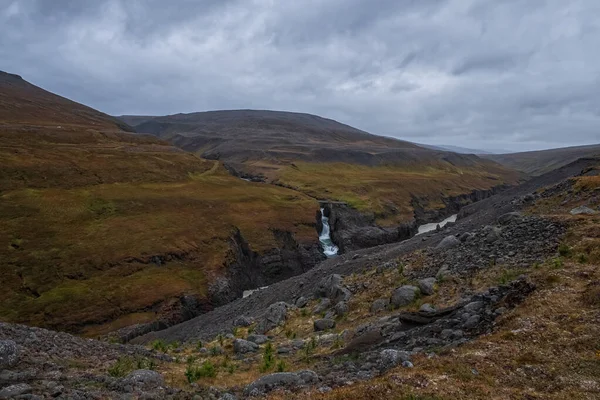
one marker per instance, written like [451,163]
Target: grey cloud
[516,74]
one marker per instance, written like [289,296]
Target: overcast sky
[488,74]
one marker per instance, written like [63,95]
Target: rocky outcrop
[281,380]
[250,270]
[352,230]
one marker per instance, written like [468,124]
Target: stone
[284,380]
[472,321]
[332,288]
[447,243]
[275,316]
[474,306]
[391,358]
[428,308]
[341,308]
[324,324]
[227,396]
[9,354]
[243,321]
[583,210]
[258,339]
[427,286]
[15,390]
[301,302]
[322,306]
[443,273]
[241,346]
[379,305]
[507,218]
[407,364]
[404,295]
[143,378]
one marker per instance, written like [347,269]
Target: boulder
[301,302]
[404,295]
[447,243]
[379,305]
[390,358]
[275,316]
[281,380]
[428,308]
[9,354]
[322,306]
[241,346]
[583,210]
[324,324]
[143,378]
[12,391]
[427,286]
[332,288]
[507,218]
[258,339]
[443,273]
[341,308]
[243,321]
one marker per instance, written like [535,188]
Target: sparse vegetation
[206,370]
[125,365]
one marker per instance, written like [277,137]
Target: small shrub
[173,345]
[557,263]
[268,358]
[215,351]
[159,345]
[582,258]
[235,331]
[221,340]
[124,365]
[564,250]
[400,269]
[338,343]
[199,345]
[206,370]
[290,333]
[281,367]
[304,312]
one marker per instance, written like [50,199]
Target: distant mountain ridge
[536,163]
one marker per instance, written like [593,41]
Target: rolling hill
[537,163]
[328,160]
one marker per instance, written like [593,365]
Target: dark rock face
[352,230]
[250,270]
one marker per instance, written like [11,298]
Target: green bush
[206,370]
[281,367]
[268,358]
[564,250]
[159,345]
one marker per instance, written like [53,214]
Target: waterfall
[329,248]
[433,226]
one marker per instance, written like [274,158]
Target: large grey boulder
[324,324]
[275,316]
[389,358]
[404,295]
[301,302]
[341,308]
[285,380]
[427,286]
[241,346]
[332,288]
[379,305]
[243,321]
[258,339]
[323,305]
[447,243]
[9,354]
[13,391]
[143,378]
[507,218]
[583,210]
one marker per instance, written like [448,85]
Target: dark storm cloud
[515,74]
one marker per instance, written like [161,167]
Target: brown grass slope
[537,163]
[84,206]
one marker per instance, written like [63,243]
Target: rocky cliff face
[352,230]
[250,270]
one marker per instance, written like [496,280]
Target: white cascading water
[329,248]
